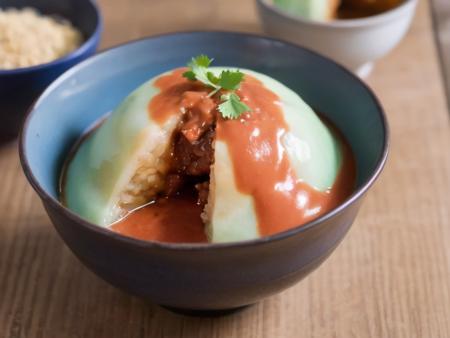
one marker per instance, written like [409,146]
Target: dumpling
[274,167]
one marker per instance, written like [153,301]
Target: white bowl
[355,43]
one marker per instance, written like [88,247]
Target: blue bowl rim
[356,195]
[91,40]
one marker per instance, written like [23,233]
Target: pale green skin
[313,151]
[107,159]
[310,9]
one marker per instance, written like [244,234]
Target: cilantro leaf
[201,61]
[190,75]
[198,70]
[232,107]
[212,78]
[230,80]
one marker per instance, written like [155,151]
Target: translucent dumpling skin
[121,165]
[310,9]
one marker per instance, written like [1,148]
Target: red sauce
[178,93]
[160,222]
[261,166]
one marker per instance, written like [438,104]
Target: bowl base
[204,313]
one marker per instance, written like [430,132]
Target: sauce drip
[158,221]
[179,94]
[260,164]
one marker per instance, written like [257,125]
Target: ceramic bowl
[200,278]
[20,87]
[355,43]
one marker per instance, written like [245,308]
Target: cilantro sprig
[231,106]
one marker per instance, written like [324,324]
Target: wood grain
[389,278]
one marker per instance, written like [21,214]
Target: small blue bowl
[20,87]
[200,278]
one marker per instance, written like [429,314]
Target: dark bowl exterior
[204,279]
[200,276]
[19,88]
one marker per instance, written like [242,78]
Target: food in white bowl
[336,9]
[361,32]
[208,154]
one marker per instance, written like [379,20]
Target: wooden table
[389,278]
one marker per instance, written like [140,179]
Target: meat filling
[192,154]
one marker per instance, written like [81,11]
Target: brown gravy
[353,9]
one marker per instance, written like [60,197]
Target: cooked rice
[28,38]
[148,179]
